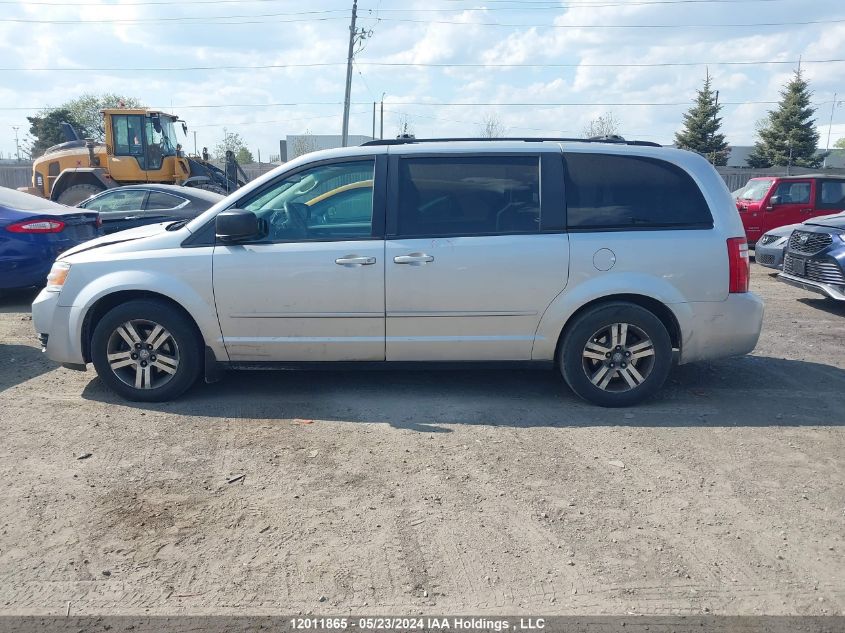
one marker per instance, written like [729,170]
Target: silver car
[771,247]
[608,261]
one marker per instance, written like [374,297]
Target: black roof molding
[615,140]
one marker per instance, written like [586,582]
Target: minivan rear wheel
[147,351]
[616,354]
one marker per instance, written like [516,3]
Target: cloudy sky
[540,67]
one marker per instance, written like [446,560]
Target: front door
[312,288]
[791,202]
[471,262]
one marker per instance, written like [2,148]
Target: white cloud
[274,41]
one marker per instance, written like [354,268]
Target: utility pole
[352,34]
[829,127]
[18,145]
[195,143]
[374,119]
[381,131]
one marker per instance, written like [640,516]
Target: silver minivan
[608,261]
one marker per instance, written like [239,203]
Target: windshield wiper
[173,226]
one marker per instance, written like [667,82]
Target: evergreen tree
[46,129]
[788,134]
[701,127]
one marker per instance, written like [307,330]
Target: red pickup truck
[767,203]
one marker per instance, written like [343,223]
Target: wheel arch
[103,304]
[654,294]
[656,307]
[94,176]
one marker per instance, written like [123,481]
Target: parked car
[628,256]
[124,208]
[33,232]
[771,202]
[815,257]
[771,247]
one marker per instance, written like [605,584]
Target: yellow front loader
[140,147]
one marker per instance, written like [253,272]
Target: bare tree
[303,144]
[492,127]
[605,125]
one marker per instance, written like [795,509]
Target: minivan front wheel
[146,350]
[616,355]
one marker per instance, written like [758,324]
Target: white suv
[607,260]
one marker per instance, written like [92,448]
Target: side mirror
[773,201]
[236,224]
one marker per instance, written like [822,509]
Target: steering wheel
[290,221]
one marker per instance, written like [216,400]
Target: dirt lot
[489,492]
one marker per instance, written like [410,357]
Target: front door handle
[414,259]
[806,210]
[354,261]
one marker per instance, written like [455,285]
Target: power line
[546,5]
[186,20]
[433,104]
[426,65]
[612,26]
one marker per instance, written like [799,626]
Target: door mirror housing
[773,201]
[234,225]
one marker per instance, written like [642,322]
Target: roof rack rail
[618,140]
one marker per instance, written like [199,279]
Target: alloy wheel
[143,354]
[618,357]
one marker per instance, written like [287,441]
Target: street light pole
[348,94]
[18,145]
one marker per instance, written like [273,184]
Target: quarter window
[605,191]
[444,196]
[328,202]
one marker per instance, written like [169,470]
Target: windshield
[755,190]
[164,136]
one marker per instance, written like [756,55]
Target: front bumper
[828,290]
[720,329]
[53,326]
[770,255]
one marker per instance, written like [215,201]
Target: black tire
[641,327]
[183,344]
[72,196]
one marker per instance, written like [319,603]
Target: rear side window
[831,194]
[605,191]
[159,200]
[452,196]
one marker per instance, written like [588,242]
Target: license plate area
[799,266]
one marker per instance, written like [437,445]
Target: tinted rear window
[605,191]
[485,195]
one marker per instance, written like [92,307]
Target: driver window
[325,203]
[793,192]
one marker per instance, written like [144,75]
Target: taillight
[739,266]
[37,226]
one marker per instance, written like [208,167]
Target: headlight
[58,275]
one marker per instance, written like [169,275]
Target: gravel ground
[494,492]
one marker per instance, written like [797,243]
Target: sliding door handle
[353,261]
[414,259]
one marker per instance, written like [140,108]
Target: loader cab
[139,144]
